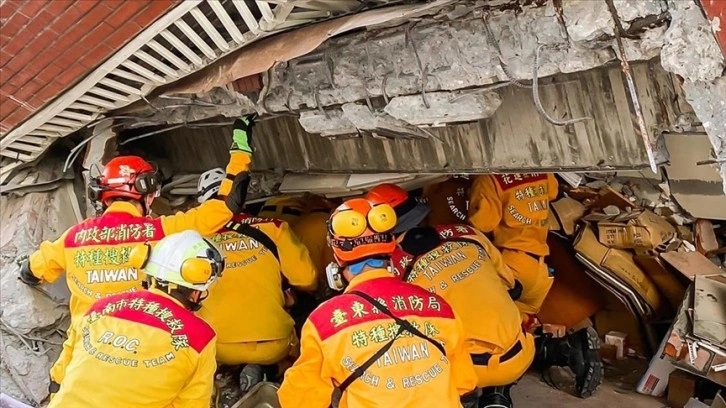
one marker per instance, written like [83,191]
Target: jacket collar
[367,276]
[123,207]
[167,296]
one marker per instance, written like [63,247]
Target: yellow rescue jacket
[95,253]
[466,269]
[312,229]
[141,350]
[514,207]
[345,331]
[247,303]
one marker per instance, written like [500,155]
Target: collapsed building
[351,93]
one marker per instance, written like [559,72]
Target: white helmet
[209,183]
[186,259]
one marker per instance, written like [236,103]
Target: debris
[619,340]
[690,264]
[655,380]
[706,241]
[646,230]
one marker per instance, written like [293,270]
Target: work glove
[242,134]
[26,276]
[238,194]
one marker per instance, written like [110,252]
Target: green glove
[242,134]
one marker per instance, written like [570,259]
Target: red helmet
[409,211]
[360,229]
[127,177]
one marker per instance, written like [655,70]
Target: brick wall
[46,46]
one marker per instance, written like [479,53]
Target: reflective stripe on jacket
[136,350]
[345,331]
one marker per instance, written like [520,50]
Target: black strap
[254,233]
[402,325]
[483,358]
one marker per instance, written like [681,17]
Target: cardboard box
[681,387]
[568,212]
[665,279]
[620,263]
[655,379]
[646,231]
[617,339]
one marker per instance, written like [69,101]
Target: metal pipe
[647,138]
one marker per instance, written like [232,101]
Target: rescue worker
[383,342]
[515,208]
[247,307]
[461,265]
[448,201]
[95,253]
[287,207]
[146,349]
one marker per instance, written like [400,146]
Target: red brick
[13,47]
[92,59]
[26,91]
[96,36]
[66,20]
[58,7]
[153,11]
[86,5]
[33,7]
[19,62]
[15,118]
[49,73]
[7,106]
[21,77]
[8,7]
[4,58]
[70,37]
[122,35]
[71,55]
[96,15]
[37,45]
[36,26]
[124,12]
[14,24]
[70,75]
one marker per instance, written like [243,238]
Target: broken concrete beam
[690,48]
[330,123]
[444,107]
[379,123]
[629,10]
[587,21]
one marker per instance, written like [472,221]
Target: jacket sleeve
[197,392]
[462,368]
[49,261]
[553,187]
[504,272]
[305,384]
[295,261]
[485,205]
[209,217]
[58,371]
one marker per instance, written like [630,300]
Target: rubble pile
[658,262]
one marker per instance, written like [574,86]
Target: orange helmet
[360,229]
[409,211]
[126,177]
